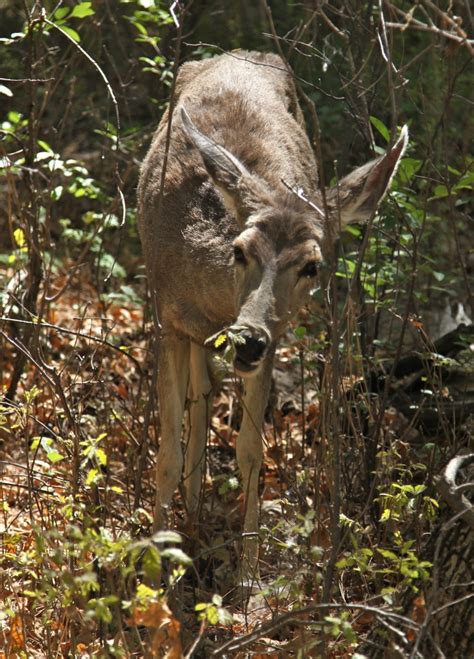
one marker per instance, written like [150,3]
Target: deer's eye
[239,256]
[310,270]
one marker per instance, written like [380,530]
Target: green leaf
[44,145]
[466,181]
[56,193]
[141,28]
[389,590]
[146,594]
[381,128]
[212,615]
[386,514]
[44,155]
[151,562]
[82,10]
[91,476]
[386,553]
[54,456]
[61,13]
[72,33]
[225,617]
[353,230]
[101,457]
[441,191]
[332,620]
[418,489]
[408,168]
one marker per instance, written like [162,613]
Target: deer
[232,224]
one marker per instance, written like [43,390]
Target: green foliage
[63,15]
[213,613]
[387,264]
[295,539]
[95,459]
[403,500]
[340,625]
[67,179]
[57,571]
[47,444]
[149,19]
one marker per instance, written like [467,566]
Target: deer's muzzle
[250,349]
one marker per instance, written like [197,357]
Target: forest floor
[77,490]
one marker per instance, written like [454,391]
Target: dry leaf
[166,639]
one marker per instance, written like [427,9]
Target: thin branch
[410,22]
[93,62]
[24,80]
[63,330]
[292,616]
[300,193]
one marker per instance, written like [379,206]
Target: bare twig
[458,36]
[291,616]
[300,193]
[64,330]
[92,61]
[387,55]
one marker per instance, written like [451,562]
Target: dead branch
[456,35]
[293,617]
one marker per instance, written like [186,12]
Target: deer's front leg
[199,416]
[173,374]
[249,458]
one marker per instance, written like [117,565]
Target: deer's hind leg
[173,376]
[200,400]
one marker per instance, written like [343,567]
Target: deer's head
[278,253]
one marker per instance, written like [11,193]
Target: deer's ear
[357,196]
[241,191]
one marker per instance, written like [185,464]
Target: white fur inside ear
[358,195]
[404,137]
[394,156]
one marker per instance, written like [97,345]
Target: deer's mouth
[245,346]
[244,368]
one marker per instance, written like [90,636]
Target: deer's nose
[250,349]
